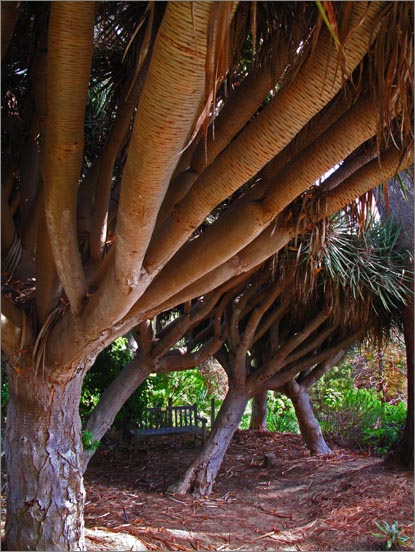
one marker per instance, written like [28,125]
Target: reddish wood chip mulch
[300,502]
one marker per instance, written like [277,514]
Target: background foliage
[360,404]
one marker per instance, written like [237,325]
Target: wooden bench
[170,420]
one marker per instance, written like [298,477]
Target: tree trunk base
[200,476]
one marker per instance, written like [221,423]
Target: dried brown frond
[145,46]
[40,347]
[219,47]
[391,73]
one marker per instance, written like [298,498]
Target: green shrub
[246,417]
[281,415]
[89,442]
[187,387]
[105,369]
[359,419]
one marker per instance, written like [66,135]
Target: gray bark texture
[201,474]
[259,411]
[43,447]
[309,426]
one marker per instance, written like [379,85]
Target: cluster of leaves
[392,534]
[359,272]
[187,387]
[89,442]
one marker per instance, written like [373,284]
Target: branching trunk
[309,426]
[113,399]
[200,476]
[259,411]
[43,448]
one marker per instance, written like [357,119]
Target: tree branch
[288,372]
[275,127]
[108,156]
[275,362]
[176,360]
[70,47]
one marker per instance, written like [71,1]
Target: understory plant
[357,418]
[89,442]
[391,534]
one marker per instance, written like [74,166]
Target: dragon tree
[149,150]
[289,324]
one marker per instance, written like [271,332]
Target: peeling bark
[43,447]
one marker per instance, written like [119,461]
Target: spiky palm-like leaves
[106,230]
[361,274]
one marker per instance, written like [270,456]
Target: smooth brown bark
[259,411]
[274,128]
[108,156]
[43,448]
[70,48]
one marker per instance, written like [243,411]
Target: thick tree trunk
[42,444]
[259,411]
[403,211]
[200,476]
[309,426]
[406,445]
[113,399]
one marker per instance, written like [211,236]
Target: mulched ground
[299,502]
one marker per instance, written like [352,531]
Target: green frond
[363,276]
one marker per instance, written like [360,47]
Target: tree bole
[309,426]
[259,411]
[42,444]
[201,474]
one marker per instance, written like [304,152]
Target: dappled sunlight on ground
[298,503]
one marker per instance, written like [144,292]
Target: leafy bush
[246,417]
[187,387]
[106,367]
[89,442]
[281,415]
[359,419]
